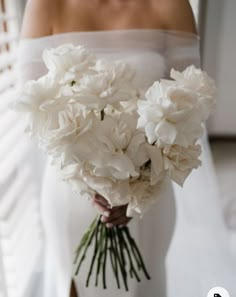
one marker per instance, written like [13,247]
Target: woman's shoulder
[38,18]
[176,15]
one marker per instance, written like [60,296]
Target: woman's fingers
[116,217]
[98,198]
[101,208]
[111,217]
[119,222]
[115,213]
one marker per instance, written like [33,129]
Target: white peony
[109,139]
[37,100]
[35,94]
[69,124]
[170,115]
[157,164]
[85,182]
[180,161]
[120,70]
[109,84]
[198,81]
[128,106]
[53,119]
[137,149]
[117,192]
[67,63]
[143,196]
[71,174]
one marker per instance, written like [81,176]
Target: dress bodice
[151,52]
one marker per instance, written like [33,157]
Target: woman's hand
[115,216]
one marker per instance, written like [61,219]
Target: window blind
[20,226]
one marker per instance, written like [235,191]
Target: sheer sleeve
[30,65]
[182,50]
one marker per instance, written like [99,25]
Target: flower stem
[102,115]
[90,238]
[132,268]
[122,249]
[132,241]
[122,269]
[133,251]
[115,259]
[94,253]
[105,260]
[101,252]
[84,239]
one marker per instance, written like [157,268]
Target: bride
[182,238]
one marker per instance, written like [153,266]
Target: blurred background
[216,24]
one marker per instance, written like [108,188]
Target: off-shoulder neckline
[120,31]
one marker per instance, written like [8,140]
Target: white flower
[200,82]
[115,192]
[67,63]
[109,84]
[100,154]
[69,124]
[196,80]
[137,149]
[92,91]
[118,130]
[129,105]
[170,115]
[157,164]
[54,120]
[147,158]
[120,70]
[71,174]
[35,99]
[180,161]
[108,159]
[36,93]
[143,196]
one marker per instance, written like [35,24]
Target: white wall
[219,49]
[195,7]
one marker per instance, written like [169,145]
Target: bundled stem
[132,268]
[119,261]
[132,241]
[116,243]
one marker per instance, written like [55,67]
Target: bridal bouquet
[106,136]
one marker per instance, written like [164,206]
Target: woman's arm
[38,19]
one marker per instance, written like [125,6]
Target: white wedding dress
[182,238]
